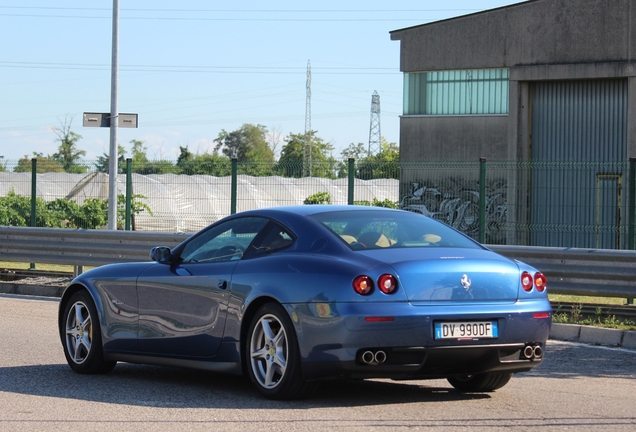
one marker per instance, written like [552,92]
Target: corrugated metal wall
[578,121]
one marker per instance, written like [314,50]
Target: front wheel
[273,357]
[81,336]
[485,382]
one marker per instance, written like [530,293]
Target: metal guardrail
[588,272]
[80,247]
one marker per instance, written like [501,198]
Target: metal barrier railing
[80,247]
[589,272]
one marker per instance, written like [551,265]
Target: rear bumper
[332,344]
[428,363]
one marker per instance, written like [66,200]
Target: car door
[183,304]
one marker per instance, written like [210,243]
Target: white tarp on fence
[187,203]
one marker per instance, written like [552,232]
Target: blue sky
[192,68]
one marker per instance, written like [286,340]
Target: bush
[318,198]
[377,203]
[15,210]
[386,203]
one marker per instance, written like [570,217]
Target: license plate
[466,330]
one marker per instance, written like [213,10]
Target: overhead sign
[103,120]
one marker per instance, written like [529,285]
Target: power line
[270,19]
[242,10]
[201,69]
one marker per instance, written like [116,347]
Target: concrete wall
[453,138]
[530,33]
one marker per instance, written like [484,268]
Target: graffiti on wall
[457,205]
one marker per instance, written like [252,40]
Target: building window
[460,92]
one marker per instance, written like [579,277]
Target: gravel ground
[43,280]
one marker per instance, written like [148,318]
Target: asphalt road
[576,388]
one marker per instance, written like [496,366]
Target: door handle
[223,284]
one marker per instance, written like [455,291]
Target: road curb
[30,289]
[593,335]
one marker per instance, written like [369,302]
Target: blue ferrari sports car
[291,296]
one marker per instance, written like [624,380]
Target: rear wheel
[485,382]
[81,336]
[273,357]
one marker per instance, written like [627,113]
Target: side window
[275,237]
[225,242]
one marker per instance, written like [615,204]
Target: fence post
[128,193]
[482,200]
[34,192]
[352,179]
[631,211]
[233,191]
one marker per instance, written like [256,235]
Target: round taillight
[540,281]
[526,281]
[387,283]
[362,285]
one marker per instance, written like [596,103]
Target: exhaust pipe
[374,359]
[531,352]
[380,357]
[368,357]
[528,352]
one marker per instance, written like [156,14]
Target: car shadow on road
[157,386]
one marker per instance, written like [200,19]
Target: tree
[249,143]
[138,151]
[206,164]
[67,153]
[44,164]
[291,161]
[356,151]
[142,165]
[274,138]
[103,162]
[385,164]
[185,156]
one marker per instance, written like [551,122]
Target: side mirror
[161,254]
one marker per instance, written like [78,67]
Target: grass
[586,299]
[609,321]
[574,316]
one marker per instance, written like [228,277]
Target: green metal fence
[586,204]
[560,204]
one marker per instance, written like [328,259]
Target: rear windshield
[382,229]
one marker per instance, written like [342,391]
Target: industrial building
[549,82]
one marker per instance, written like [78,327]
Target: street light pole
[114,111]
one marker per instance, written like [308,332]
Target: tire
[81,336]
[485,382]
[273,357]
